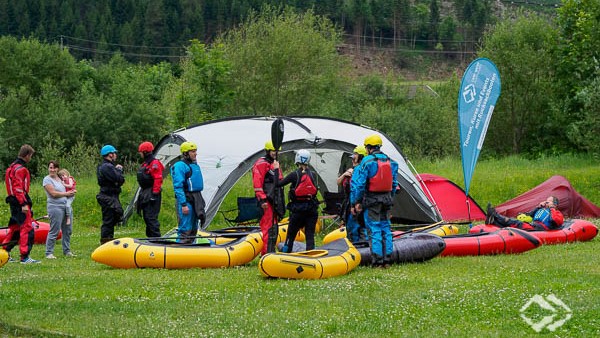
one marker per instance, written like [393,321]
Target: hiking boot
[29,260]
[489,216]
[50,256]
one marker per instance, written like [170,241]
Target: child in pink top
[70,184]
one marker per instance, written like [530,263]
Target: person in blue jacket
[188,185]
[372,189]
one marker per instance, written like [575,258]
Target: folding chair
[248,212]
[332,211]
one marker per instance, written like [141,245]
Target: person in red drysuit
[20,228]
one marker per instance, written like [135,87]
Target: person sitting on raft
[545,217]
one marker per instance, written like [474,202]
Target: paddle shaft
[276,139]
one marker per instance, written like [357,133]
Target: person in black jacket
[302,202]
[110,179]
[150,179]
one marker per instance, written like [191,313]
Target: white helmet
[302,156]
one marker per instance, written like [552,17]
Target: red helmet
[146,147]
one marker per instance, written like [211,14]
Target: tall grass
[456,297]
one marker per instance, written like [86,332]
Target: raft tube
[572,230]
[503,241]
[225,235]
[127,253]
[441,230]
[333,259]
[3,257]
[408,248]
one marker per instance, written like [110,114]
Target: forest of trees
[159,30]
[281,61]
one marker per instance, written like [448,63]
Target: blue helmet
[107,149]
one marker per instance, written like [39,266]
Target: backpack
[305,187]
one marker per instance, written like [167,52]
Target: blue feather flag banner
[479,91]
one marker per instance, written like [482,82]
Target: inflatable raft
[165,253]
[503,241]
[572,230]
[333,259]
[408,248]
[40,230]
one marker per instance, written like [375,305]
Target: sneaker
[29,260]
[11,260]
[50,256]
[70,254]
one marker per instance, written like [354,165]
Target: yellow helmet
[187,146]
[360,150]
[269,146]
[373,141]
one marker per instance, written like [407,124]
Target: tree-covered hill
[158,30]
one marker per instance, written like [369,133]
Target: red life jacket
[382,181]
[305,188]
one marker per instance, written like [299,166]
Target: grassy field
[456,297]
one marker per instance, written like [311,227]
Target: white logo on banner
[555,316]
[469,93]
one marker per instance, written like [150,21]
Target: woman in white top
[57,211]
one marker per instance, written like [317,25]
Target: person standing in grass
[188,184]
[150,179]
[355,225]
[265,172]
[57,207]
[110,179]
[20,228]
[70,185]
[372,189]
[303,204]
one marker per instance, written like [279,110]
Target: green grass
[456,297]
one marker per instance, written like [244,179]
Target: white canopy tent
[228,148]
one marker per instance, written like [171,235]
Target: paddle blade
[277,133]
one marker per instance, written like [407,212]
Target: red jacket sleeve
[156,171]
[557,216]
